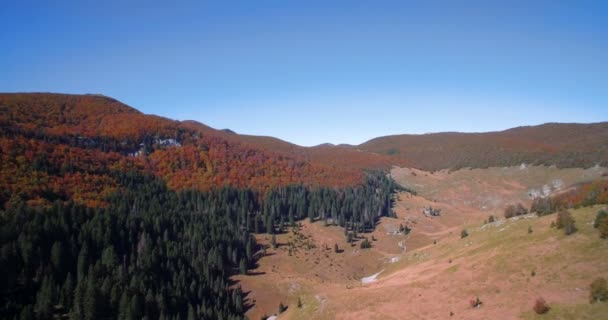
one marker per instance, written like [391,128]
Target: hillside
[341,156]
[106,210]
[59,146]
[503,264]
[563,145]
[431,271]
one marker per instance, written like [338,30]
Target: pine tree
[67,292]
[274,241]
[26,313]
[242,266]
[91,299]
[124,306]
[191,314]
[136,310]
[45,297]
[57,256]
[78,308]
[151,308]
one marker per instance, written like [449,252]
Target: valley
[304,160]
[176,220]
[431,272]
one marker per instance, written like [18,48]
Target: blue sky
[319,71]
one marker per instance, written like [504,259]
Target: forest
[156,253]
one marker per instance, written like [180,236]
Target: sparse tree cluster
[515,210]
[365,244]
[566,222]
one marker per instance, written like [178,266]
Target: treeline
[354,208]
[583,195]
[156,253]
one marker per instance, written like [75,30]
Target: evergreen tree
[91,303]
[45,297]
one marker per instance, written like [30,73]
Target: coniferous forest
[156,253]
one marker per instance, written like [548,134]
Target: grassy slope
[496,261]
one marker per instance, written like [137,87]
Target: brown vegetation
[564,145]
[599,290]
[515,210]
[565,221]
[60,147]
[540,306]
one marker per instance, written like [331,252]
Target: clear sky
[311,72]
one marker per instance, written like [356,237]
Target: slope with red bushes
[60,147]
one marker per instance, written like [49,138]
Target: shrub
[543,206]
[282,307]
[365,244]
[515,210]
[599,290]
[565,221]
[600,215]
[299,302]
[603,227]
[464,233]
[540,306]
[491,219]
[475,303]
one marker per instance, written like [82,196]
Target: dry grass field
[431,272]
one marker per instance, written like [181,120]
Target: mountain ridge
[561,144]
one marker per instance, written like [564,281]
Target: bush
[365,244]
[540,306]
[475,303]
[464,233]
[565,221]
[603,227]
[282,308]
[515,210]
[404,229]
[599,290]
[600,215]
[543,206]
[491,219]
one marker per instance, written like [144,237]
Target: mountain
[59,146]
[106,212]
[560,144]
